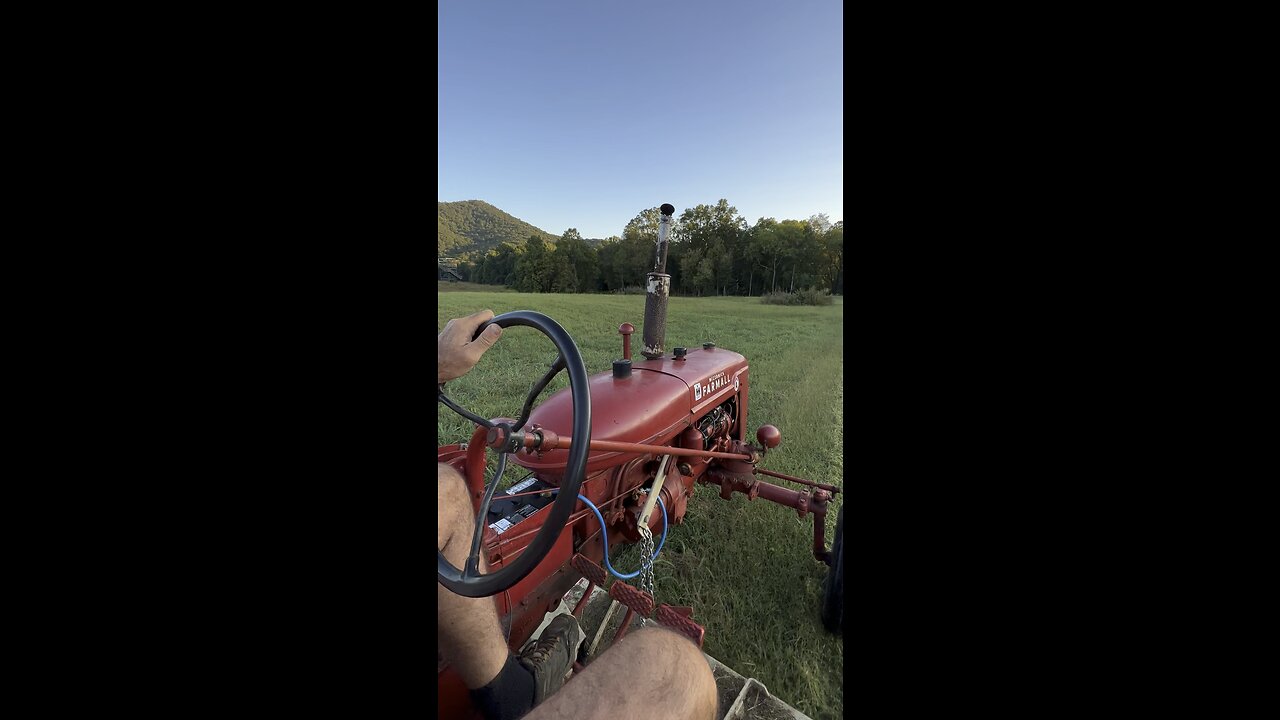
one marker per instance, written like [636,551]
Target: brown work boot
[551,657]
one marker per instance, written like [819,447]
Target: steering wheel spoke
[484,506]
[537,389]
[441,397]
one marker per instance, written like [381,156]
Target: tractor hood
[657,401]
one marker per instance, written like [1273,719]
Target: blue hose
[605,534]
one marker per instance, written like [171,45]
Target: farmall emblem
[711,385]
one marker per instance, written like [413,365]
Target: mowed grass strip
[746,567]
[446,286]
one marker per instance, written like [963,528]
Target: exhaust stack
[657,288]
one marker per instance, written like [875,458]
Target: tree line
[712,251]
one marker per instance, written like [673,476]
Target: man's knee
[661,642]
[454,510]
[451,489]
[660,645]
[689,666]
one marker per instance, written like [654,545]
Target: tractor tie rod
[829,488]
[543,440]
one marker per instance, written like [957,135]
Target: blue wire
[605,534]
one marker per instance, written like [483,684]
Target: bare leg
[469,634]
[651,672]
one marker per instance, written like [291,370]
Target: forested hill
[475,226]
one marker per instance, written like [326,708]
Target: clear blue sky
[584,113]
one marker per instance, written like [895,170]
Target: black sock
[509,695]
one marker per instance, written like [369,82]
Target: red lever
[626,329]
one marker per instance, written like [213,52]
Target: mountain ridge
[469,228]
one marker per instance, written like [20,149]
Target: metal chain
[646,571]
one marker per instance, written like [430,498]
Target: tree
[766,249]
[564,279]
[606,256]
[636,252]
[642,232]
[820,223]
[533,271]
[575,262]
[709,233]
[497,267]
[833,254]
[644,226]
[805,246]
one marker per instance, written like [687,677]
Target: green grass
[746,567]
[446,286]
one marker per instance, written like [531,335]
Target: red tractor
[614,459]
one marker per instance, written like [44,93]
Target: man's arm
[456,352]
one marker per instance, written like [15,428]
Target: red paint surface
[651,406]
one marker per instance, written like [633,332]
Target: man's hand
[455,350]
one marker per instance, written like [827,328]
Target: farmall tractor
[613,460]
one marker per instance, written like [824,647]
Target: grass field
[444,286]
[746,567]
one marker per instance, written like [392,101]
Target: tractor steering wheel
[468,581]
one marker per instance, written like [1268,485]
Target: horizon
[585,236]
[584,114]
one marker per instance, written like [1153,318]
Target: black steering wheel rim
[467,584]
